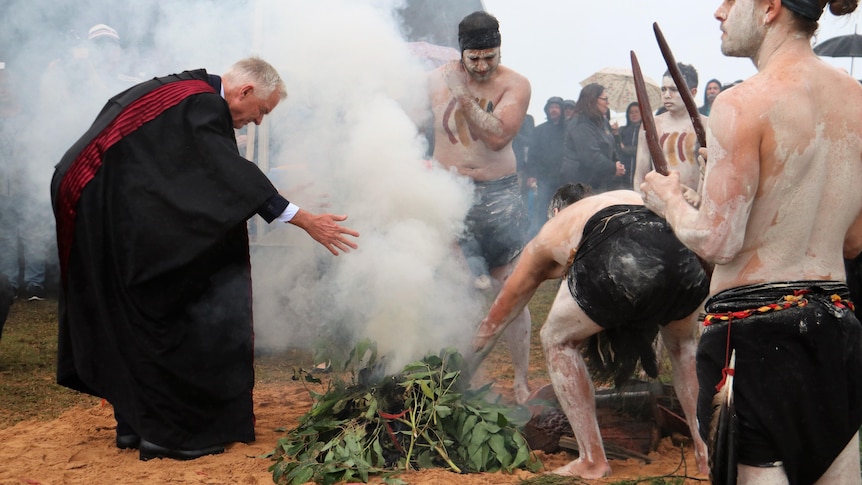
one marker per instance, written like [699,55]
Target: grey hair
[261,74]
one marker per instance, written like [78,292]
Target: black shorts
[631,270]
[798,381]
[496,226]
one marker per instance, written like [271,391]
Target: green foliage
[381,425]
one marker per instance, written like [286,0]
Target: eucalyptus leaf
[443,411]
[426,389]
[302,475]
[479,434]
[501,454]
[344,437]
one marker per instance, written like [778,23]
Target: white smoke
[344,141]
[350,126]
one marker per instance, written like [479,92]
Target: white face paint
[481,63]
[742,28]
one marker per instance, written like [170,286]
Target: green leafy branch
[381,425]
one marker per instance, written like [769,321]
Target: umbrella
[433,56]
[619,85]
[841,46]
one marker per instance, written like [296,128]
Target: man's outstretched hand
[324,228]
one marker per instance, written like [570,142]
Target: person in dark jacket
[629,141]
[589,148]
[544,160]
[151,205]
[713,87]
[568,109]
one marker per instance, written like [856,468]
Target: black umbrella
[841,46]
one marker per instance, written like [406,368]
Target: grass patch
[28,365]
[28,360]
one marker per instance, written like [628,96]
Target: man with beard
[155,306]
[544,159]
[479,107]
[780,208]
[676,133]
[625,278]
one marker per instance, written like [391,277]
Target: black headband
[809,9]
[479,39]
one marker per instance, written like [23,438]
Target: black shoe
[127,437]
[35,293]
[152,450]
[127,441]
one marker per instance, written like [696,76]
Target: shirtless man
[478,108]
[780,207]
[676,133]
[614,241]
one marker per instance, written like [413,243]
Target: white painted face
[670,95]
[481,63]
[741,26]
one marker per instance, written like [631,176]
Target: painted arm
[715,230]
[534,266]
[498,127]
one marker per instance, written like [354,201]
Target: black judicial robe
[155,308]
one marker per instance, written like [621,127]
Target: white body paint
[546,257]
[781,198]
[478,108]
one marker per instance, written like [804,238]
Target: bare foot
[584,469]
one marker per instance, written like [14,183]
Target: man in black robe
[155,307]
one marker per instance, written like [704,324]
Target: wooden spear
[658,159]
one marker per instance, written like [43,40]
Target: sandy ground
[78,448]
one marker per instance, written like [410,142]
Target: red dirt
[78,448]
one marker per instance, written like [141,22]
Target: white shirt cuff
[289,212]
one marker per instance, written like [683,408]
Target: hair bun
[842,7]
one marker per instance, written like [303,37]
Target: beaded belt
[797,299]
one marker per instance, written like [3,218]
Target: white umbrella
[619,86]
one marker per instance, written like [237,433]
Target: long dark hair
[720,87]
[587,104]
[633,104]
